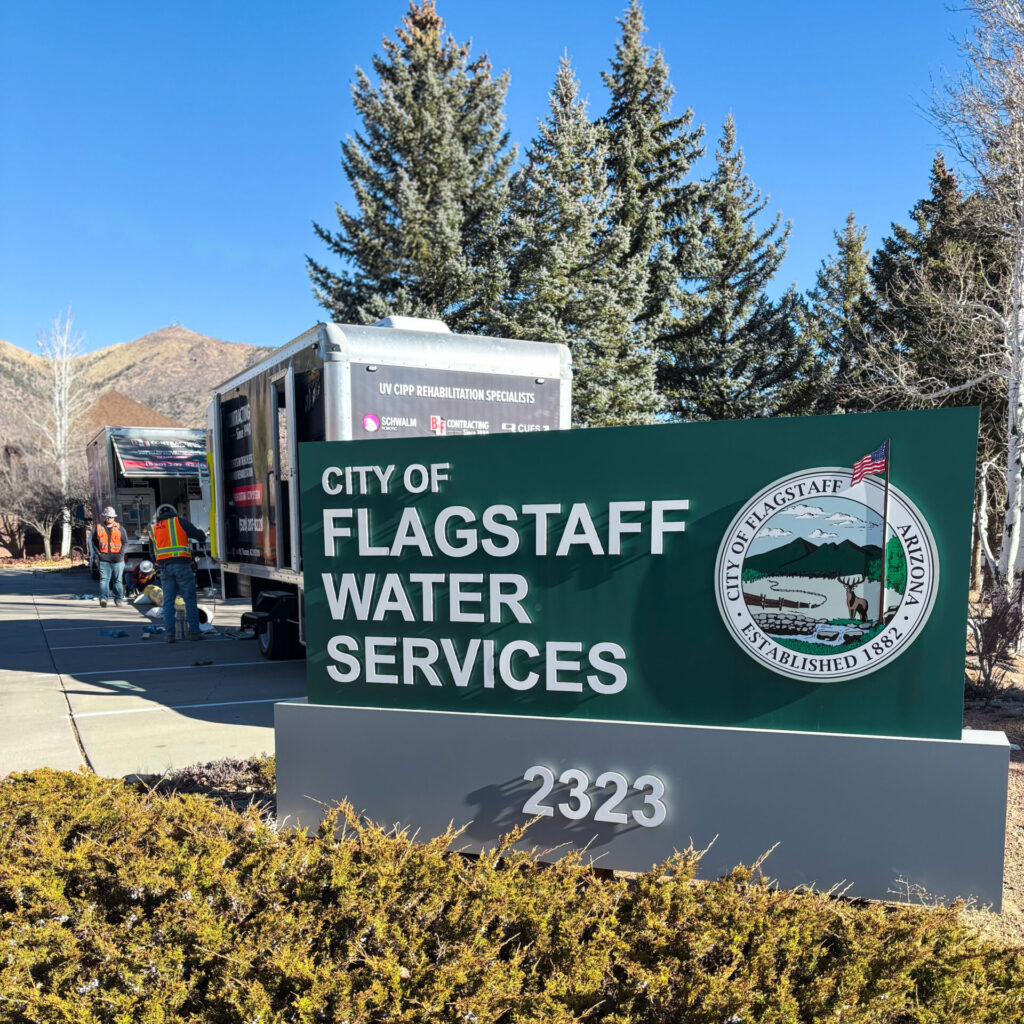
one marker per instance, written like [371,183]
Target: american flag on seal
[873,463]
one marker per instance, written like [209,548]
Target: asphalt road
[71,695]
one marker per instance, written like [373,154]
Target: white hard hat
[166,508]
[146,566]
[109,512]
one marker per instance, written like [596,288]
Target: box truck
[138,469]
[401,377]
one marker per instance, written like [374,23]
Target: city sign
[735,574]
[745,634]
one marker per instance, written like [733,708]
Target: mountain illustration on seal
[819,595]
[801,557]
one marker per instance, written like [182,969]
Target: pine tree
[650,154]
[934,320]
[837,307]
[951,249]
[736,353]
[910,257]
[430,180]
[565,258]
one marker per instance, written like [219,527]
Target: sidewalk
[71,696]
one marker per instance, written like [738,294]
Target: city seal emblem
[827,574]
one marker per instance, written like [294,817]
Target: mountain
[802,558]
[842,559]
[778,560]
[23,385]
[173,370]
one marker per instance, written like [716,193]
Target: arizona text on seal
[808,585]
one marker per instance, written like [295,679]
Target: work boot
[195,636]
[169,638]
[103,602]
[117,604]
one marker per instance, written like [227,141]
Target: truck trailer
[401,377]
[138,469]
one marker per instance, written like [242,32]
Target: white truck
[138,469]
[401,377]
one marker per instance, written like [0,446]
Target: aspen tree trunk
[976,583]
[67,400]
[1010,547]
[1013,555]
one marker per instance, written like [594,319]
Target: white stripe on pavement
[185,707]
[168,668]
[103,645]
[73,629]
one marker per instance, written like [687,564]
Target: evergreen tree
[650,154]
[736,353]
[430,180]
[951,249]
[837,308]
[569,278]
[910,258]
[934,319]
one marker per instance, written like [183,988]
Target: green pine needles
[429,172]
[650,158]
[839,309]
[568,274]
[122,906]
[736,353]
[602,239]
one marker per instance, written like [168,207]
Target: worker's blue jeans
[111,573]
[176,580]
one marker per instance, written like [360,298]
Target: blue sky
[821,521]
[163,163]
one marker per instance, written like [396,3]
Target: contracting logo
[827,574]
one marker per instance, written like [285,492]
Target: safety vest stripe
[109,544]
[169,540]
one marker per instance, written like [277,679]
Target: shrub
[122,905]
[993,631]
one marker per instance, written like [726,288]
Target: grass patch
[123,905]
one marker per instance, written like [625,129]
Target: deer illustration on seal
[857,606]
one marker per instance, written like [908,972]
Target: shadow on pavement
[143,705]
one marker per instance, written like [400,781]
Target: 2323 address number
[579,804]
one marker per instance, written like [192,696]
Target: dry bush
[119,904]
[993,631]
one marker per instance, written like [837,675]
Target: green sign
[740,574]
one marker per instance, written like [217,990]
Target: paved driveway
[70,695]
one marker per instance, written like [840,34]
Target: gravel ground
[1006,713]
[237,783]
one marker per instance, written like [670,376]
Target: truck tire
[279,640]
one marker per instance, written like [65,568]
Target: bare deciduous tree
[974,309]
[68,397]
[12,529]
[12,534]
[31,493]
[992,631]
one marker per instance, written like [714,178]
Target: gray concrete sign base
[884,818]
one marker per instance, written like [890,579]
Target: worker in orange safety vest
[107,542]
[169,538]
